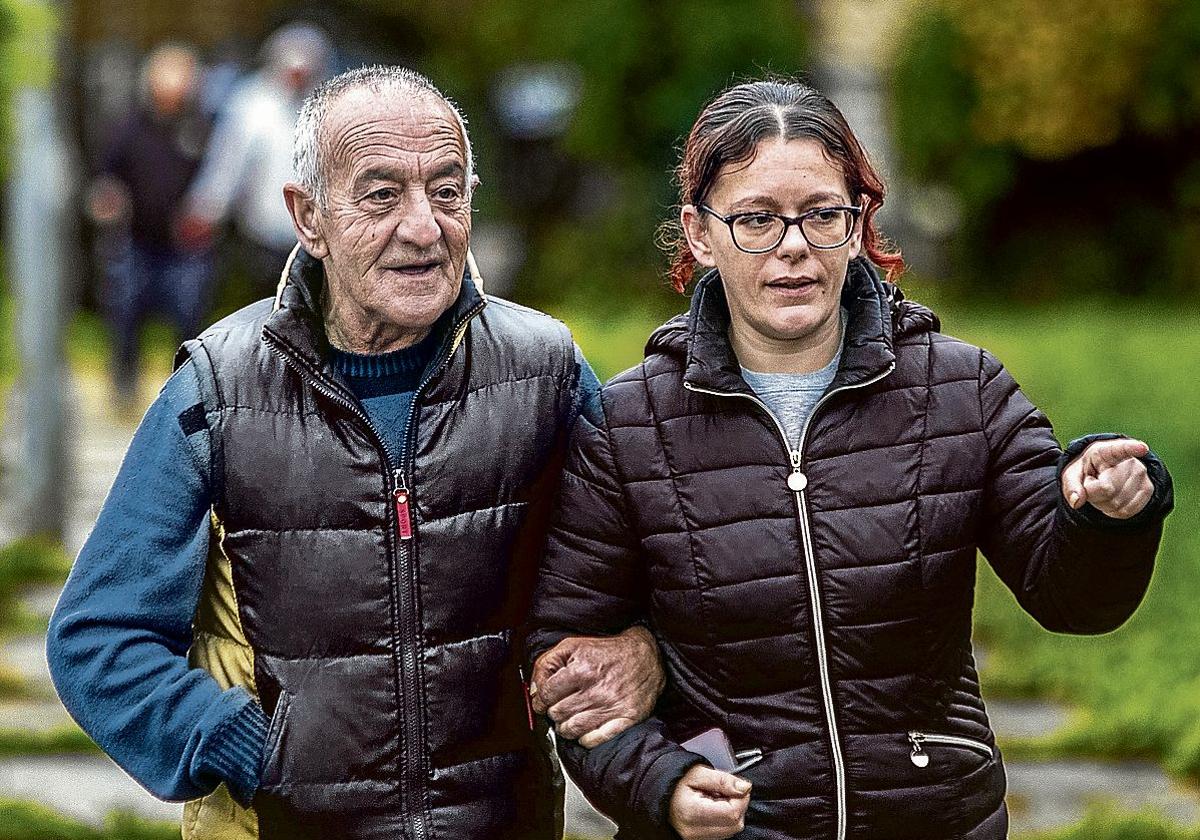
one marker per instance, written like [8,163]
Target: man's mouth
[417,269]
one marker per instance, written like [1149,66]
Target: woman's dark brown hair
[729,130]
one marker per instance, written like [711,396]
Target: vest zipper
[921,758]
[797,482]
[400,497]
[396,480]
[412,769]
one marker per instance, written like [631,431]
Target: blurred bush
[1069,132]
[588,199]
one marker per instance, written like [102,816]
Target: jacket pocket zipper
[921,758]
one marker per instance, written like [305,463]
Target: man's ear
[306,219]
[694,228]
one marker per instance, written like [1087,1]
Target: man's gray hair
[307,154]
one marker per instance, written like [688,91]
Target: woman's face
[793,292]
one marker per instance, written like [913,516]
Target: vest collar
[867,347]
[296,322]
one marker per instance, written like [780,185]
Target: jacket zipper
[921,758]
[412,769]
[797,482]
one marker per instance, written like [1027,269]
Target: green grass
[25,563]
[1137,690]
[1104,823]
[1092,367]
[28,821]
[67,738]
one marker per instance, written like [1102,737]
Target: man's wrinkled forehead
[366,121]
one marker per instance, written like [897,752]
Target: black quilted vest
[387,662]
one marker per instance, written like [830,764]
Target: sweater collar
[867,346]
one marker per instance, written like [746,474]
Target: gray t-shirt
[792,396]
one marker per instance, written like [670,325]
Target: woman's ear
[692,220]
[860,220]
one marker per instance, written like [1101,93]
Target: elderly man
[300,602]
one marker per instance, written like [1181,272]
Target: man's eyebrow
[453,168]
[375,173]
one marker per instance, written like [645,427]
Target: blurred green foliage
[24,563]
[1069,132]
[65,739]
[1103,822]
[26,57]
[28,821]
[644,71]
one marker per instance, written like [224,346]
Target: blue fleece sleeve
[587,390]
[119,637]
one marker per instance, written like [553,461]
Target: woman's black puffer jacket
[817,604]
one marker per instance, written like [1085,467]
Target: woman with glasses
[790,491]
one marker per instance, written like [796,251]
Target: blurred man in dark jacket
[147,167]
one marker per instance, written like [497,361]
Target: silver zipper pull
[797,481]
[919,757]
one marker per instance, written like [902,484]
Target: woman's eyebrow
[754,202]
[760,202]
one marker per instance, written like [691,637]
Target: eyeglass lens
[826,229]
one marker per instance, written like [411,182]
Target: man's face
[397,217]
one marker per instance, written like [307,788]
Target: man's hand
[709,804]
[595,688]
[193,232]
[1109,475]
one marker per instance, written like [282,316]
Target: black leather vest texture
[384,651]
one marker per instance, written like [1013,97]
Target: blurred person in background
[146,169]
[249,158]
[302,604]
[791,489]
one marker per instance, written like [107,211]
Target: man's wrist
[233,753]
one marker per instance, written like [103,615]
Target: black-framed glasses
[758,231]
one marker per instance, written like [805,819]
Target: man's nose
[418,226]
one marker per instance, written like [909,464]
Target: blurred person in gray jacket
[250,156]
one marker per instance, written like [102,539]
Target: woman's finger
[1072,483]
[1109,453]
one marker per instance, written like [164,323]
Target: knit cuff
[234,753]
[1156,509]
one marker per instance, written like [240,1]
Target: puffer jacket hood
[699,336]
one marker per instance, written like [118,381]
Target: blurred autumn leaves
[1070,132]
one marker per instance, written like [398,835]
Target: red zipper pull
[403,516]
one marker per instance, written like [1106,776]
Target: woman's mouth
[794,286]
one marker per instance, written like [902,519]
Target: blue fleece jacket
[119,637]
